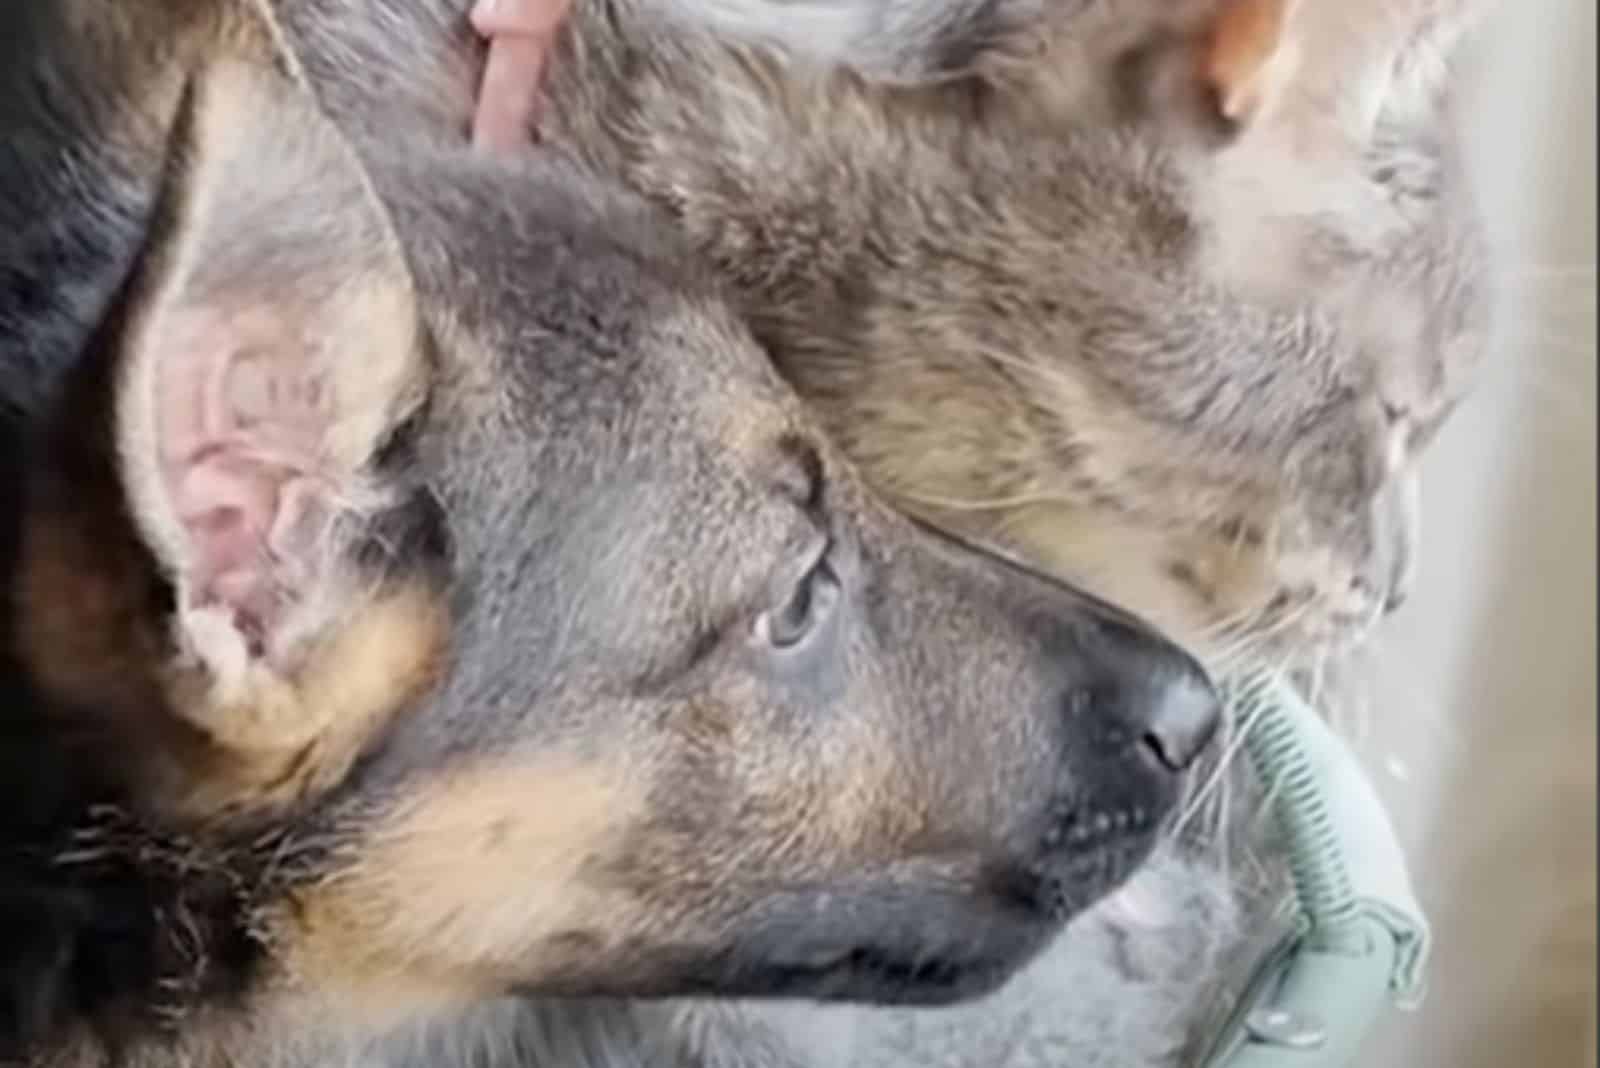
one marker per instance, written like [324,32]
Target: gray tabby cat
[1170,299]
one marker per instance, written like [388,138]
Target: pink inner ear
[239,431]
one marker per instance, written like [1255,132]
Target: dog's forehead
[567,306]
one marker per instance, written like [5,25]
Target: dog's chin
[926,936]
[898,948]
[863,971]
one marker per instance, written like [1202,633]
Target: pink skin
[520,35]
[239,427]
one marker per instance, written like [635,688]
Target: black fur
[58,270]
[101,923]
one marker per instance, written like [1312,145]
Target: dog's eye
[807,608]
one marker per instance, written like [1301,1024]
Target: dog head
[451,539]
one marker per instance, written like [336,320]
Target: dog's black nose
[1182,718]
[1144,700]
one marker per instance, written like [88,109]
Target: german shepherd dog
[421,589]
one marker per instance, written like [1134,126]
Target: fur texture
[1079,234]
[421,589]
[1190,367]
[1061,307]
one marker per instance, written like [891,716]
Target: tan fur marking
[282,739]
[87,636]
[270,729]
[460,888]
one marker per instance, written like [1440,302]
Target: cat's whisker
[1318,677]
[1247,650]
[1034,367]
[1225,625]
[1248,644]
[982,504]
[1233,743]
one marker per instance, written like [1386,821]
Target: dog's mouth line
[891,978]
[874,961]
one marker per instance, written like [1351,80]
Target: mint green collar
[1361,941]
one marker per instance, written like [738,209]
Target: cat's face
[1171,302]
[1247,308]
[1341,202]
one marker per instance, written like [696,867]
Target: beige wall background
[1483,712]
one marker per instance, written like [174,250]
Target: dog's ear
[274,347]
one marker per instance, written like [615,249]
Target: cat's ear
[274,346]
[1343,62]
[1246,56]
